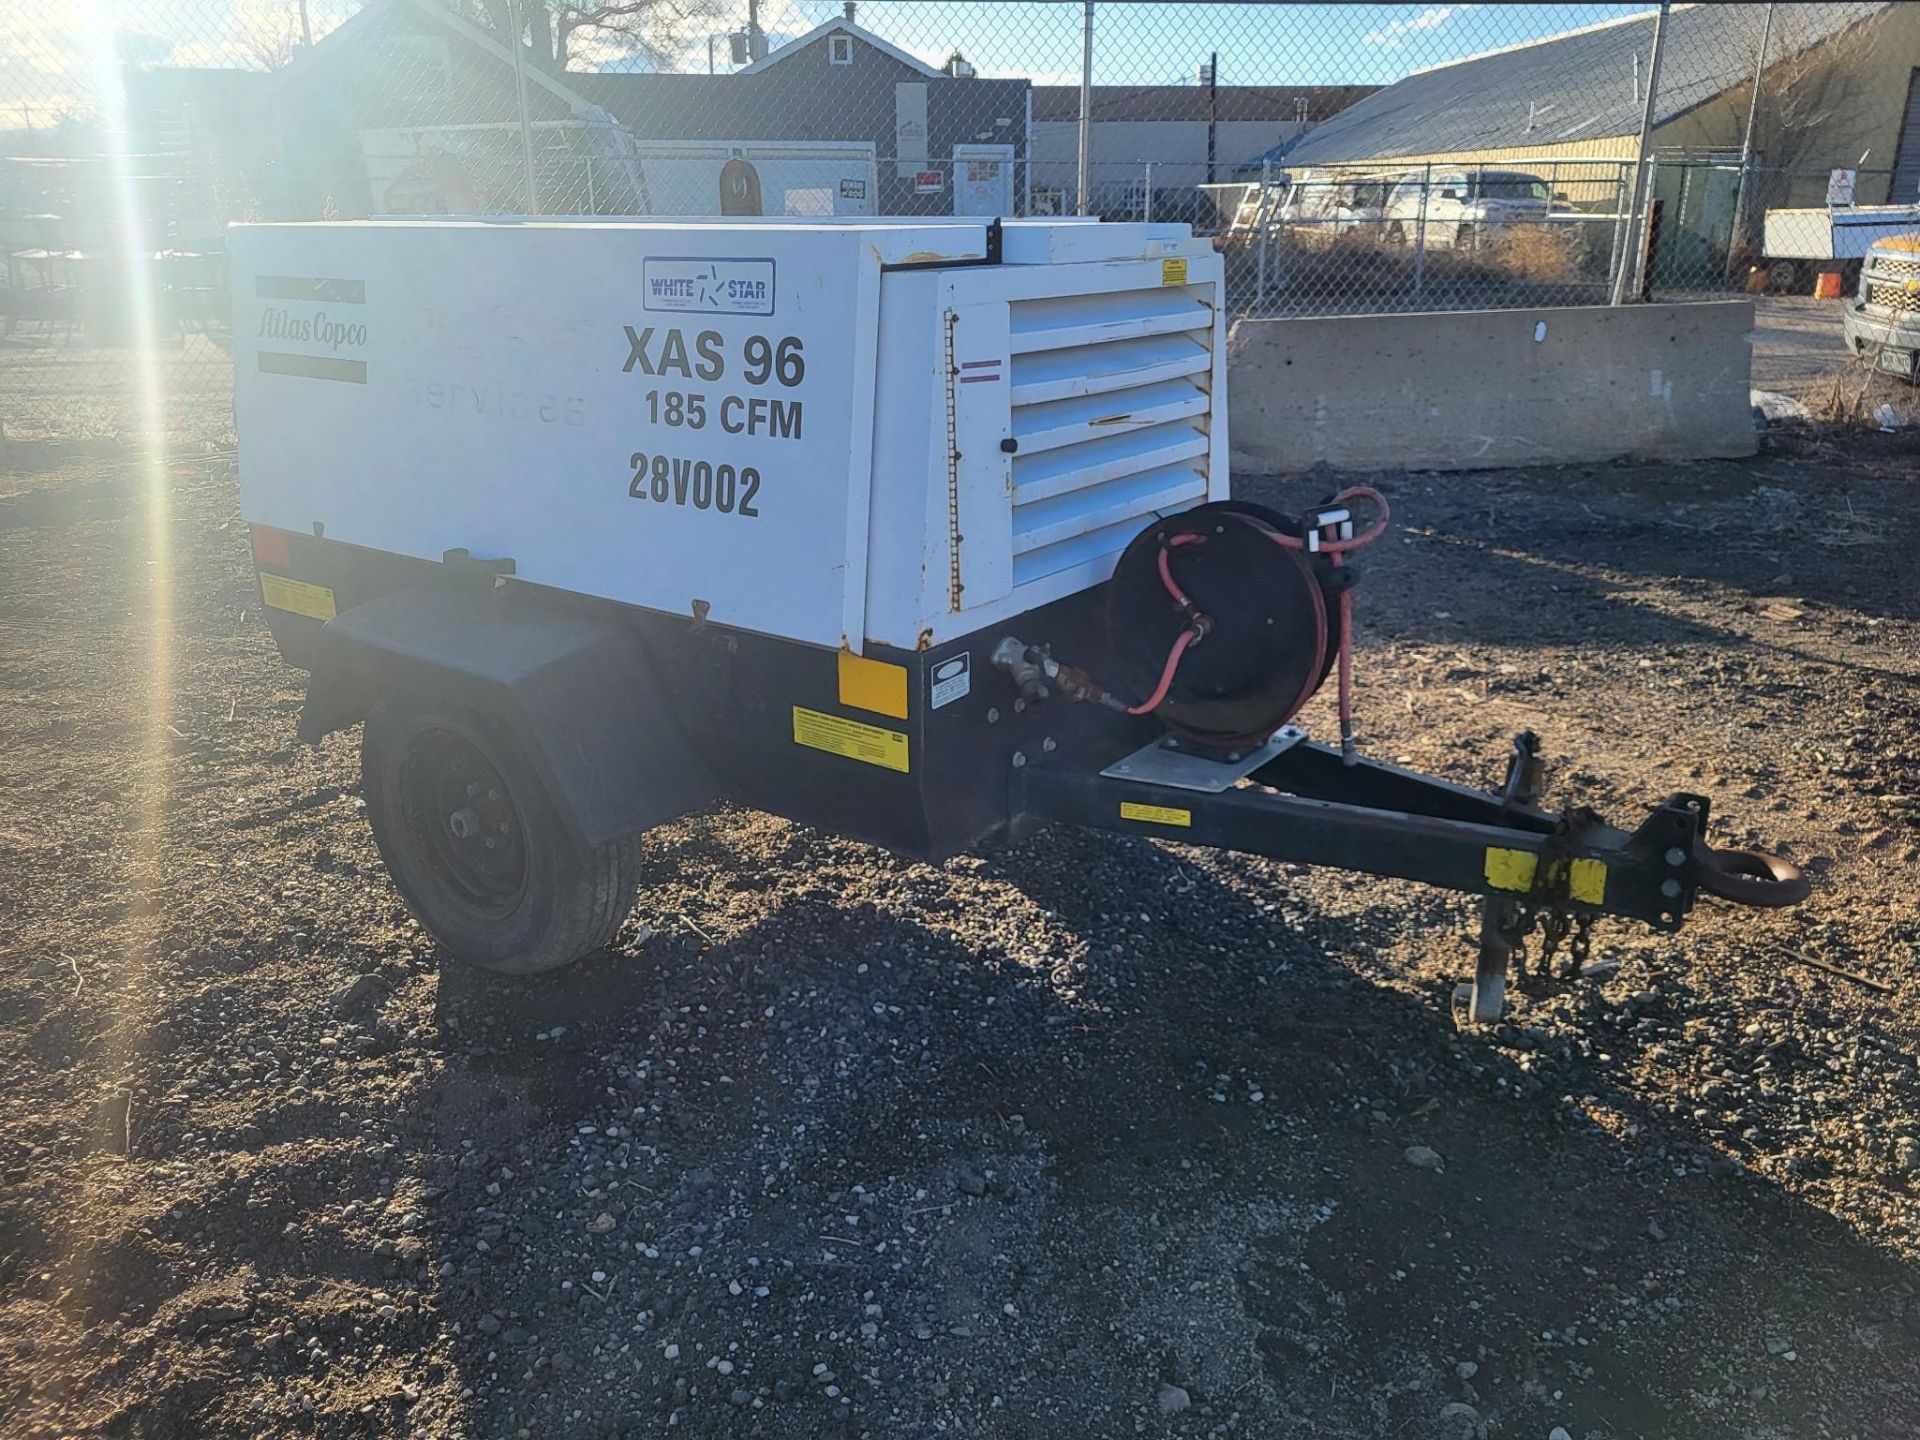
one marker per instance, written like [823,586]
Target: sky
[1159,43]
[41,41]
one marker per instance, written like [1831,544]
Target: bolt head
[1049,745]
[1670,889]
[993,715]
[1676,857]
[1019,760]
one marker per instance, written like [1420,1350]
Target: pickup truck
[1882,324]
[1464,207]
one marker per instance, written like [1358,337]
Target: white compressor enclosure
[833,433]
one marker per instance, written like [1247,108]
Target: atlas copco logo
[687,285]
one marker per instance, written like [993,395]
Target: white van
[1321,206]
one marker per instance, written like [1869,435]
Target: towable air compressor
[914,530]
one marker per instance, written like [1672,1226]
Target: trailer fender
[579,694]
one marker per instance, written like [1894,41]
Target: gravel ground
[1088,1137]
[63,391]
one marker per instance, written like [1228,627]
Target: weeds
[1858,394]
[1541,253]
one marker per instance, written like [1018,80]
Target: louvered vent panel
[1111,407]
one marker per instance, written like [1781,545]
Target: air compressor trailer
[917,531]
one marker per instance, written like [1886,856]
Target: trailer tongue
[918,531]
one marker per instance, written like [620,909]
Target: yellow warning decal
[1173,272]
[1156,814]
[873,685]
[314,601]
[1587,881]
[855,739]
[1514,870]
[1510,869]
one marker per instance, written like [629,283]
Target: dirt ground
[1085,1138]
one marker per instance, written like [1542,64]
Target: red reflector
[270,547]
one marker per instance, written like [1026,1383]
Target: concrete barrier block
[1480,389]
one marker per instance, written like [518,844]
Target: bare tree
[1810,88]
[655,32]
[266,39]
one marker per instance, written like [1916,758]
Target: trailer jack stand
[1499,923]
[1307,806]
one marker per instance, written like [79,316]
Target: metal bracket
[1183,767]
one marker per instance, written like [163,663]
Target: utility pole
[1640,208]
[1746,144]
[1213,113]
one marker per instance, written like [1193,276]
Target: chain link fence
[1347,159]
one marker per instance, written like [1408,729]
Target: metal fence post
[1266,223]
[1420,230]
[1737,240]
[1641,205]
[1086,109]
[520,99]
[1617,237]
[1146,212]
[1646,238]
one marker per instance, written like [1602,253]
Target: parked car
[1464,207]
[1882,325]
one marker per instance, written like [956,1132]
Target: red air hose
[1187,637]
[1335,548]
[1152,702]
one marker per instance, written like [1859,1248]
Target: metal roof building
[1839,82]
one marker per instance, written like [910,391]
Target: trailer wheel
[477,850]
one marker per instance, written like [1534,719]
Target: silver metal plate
[1173,763]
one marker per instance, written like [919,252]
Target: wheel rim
[472,834]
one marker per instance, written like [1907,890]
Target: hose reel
[1231,616]
[1226,618]
[1225,632]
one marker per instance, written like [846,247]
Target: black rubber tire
[570,898]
